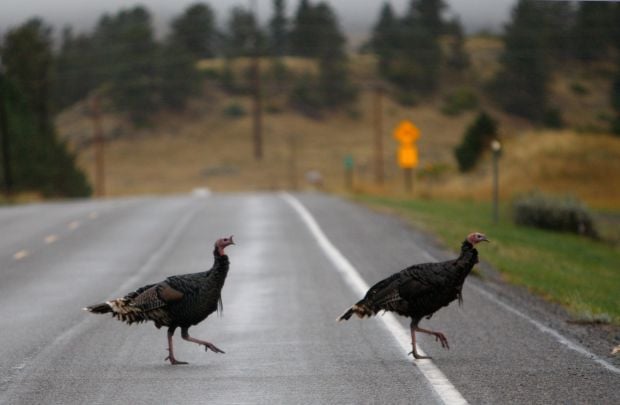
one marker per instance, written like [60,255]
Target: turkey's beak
[232,242]
[484,239]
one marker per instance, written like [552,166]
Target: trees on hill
[407,48]
[38,161]
[195,30]
[521,86]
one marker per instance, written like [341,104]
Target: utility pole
[292,169]
[257,108]
[98,147]
[4,136]
[496,147]
[378,125]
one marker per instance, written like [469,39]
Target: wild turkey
[179,301]
[420,290]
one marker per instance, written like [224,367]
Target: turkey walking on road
[179,301]
[420,290]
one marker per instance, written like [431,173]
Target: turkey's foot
[174,361]
[418,356]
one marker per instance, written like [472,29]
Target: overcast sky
[356,16]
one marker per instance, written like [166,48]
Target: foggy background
[356,16]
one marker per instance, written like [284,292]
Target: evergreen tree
[278,30]
[303,37]
[334,84]
[242,33]
[476,138]
[408,48]
[27,57]
[615,101]
[458,58]
[39,161]
[384,38]
[178,76]
[428,14]
[128,54]
[195,31]
[74,70]
[421,54]
[521,85]
[331,88]
[594,30]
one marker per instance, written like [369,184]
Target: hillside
[207,146]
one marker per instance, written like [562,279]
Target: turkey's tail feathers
[121,309]
[102,308]
[360,309]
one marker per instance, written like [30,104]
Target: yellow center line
[51,238]
[21,254]
[93,215]
[74,225]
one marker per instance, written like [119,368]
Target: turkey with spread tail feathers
[421,290]
[178,301]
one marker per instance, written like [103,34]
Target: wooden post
[408,175]
[5,138]
[378,125]
[257,107]
[98,147]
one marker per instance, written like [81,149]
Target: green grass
[579,273]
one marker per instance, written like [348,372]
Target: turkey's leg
[208,345]
[171,357]
[439,337]
[414,350]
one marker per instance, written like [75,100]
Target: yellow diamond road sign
[407,157]
[406,132]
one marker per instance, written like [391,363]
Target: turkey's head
[476,237]
[221,243]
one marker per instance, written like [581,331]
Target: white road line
[543,328]
[438,381]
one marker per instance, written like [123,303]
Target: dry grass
[583,165]
[203,147]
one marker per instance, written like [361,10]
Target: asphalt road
[282,296]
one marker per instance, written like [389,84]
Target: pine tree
[303,37]
[39,161]
[521,85]
[278,29]
[127,55]
[458,58]
[384,38]
[594,29]
[477,136]
[195,31]
[334,84]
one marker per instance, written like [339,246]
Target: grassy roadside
[581,274]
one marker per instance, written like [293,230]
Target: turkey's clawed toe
[440,337]
[174,361]
[213,348]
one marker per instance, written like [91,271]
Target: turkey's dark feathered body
[420,290]
[179,301]
[201,294]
